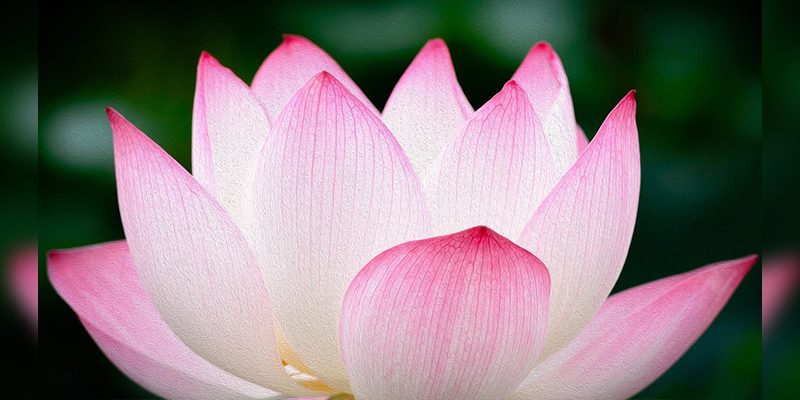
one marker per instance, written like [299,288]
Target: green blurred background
[18,202]
[696,66]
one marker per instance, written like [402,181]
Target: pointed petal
[427,106]
[290,66]
[496,171]
[101,285]
[637,335]
[581,139]
[194,262]
[461,316]
[332,189]
[228,128]
[543,78]
[583,228]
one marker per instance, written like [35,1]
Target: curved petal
[194,262]
[24,283]
[461,316]
[290,66]
[332,189]
[427,106]
[581,139]
[583,228]
[101,285]
[228,128]
[543,78]
[496,171]
[637,335]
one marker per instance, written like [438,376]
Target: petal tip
[292,39]
[436,44]
[324,77]
[435,53]
[327,81]
[627,105]
[481,231]
[207,59]
[52,256]
[543,59]
[543,46]
[114,119]
[511,92]
[512,86]
[746,263]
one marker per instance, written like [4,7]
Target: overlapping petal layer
[290,66]
[228,128]
[636,336]
[581,139]
[194,262]
[496,170]
[461,316]
[332,189]
[583,228]
[101,285]
[427,107]
[543,78]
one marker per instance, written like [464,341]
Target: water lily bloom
[429,251]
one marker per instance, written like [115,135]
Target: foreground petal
[228,127]
[332,189]
[636,336]
[496,170]
[290,66]
[461,316]
[101,285]
[543,78]
[427,106]
[194,262]
[583,228]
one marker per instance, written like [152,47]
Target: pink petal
[24,283]
[543,78]
[779,279]
[461,316]
[194,262]
[332,189]
[496,170]
[101,285]
[581,139]
[229,126]
[290,66]
[583,228]
[637,335]
[427,106]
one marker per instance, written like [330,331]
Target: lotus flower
[323,248]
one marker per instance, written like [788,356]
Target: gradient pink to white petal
[322,248]
[419,318]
